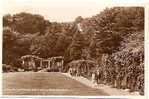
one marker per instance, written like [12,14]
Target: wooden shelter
[32,62]
[57,63]
[85,67]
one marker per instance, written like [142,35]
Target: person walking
[94,78]
[98,75]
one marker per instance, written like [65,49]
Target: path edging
[107,89]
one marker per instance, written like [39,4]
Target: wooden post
[62,63]
[33,63]
[23,64]
[41,63]
[23,61]
[49,64]
[52,63]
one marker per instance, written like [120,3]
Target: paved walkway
[105,88]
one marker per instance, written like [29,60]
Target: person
[93,78]
[98,75]
[73,71]
[105,74]
[125,81]
[70,71]
[78,72]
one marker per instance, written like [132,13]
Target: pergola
[57,62]
[83,65]
[29,61]
[34,62]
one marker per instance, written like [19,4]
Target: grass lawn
[45,83]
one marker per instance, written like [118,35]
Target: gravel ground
[107,89]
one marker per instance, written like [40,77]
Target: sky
[58,10]
[54,10]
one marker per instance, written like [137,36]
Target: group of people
[76,72]
[72,71]
[81,67]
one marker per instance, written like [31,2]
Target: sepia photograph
[55,48]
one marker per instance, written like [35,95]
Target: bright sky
[56,10]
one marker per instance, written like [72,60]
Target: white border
[107,3]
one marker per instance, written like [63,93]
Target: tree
[62,44]
[78,19]
[111,25]
[7,20]
[28,23]
[76,47]
[14,46]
